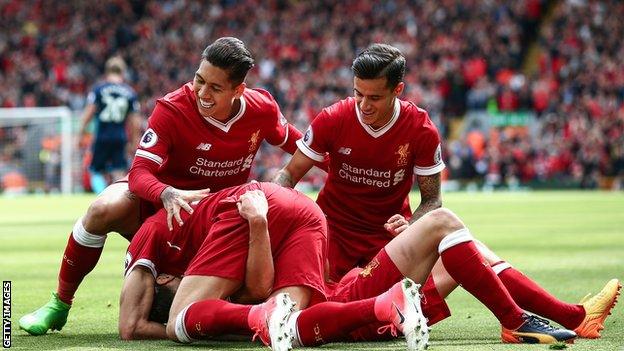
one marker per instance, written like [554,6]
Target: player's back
[171,251]
[113,102]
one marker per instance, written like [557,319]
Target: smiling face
[215,94]
[375,100]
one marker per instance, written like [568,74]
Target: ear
[398,90]
[239,90]
[163,279]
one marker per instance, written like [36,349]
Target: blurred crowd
[463,55]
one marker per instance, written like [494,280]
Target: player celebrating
[376,144]
[246,233]
[157,256]
[203,135]
[115,107]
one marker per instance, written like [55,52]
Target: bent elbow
[127,331]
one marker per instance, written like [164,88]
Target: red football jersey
[196,152]
[371,171]
[164,251]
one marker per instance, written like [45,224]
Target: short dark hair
[379,61]
[163,298]
[231,55]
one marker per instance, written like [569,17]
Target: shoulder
[418,116]
[261,104]
[129,90]
[157,224]
[337,113]
[259,98]
[178,100]
[97,87]
[345,107]
[410,109]
[178,96]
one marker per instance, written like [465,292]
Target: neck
[236,105]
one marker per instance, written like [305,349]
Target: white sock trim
[84,238]
[457,237]
[180,329]
[292,325]
[498,268]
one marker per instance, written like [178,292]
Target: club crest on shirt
[253,141]
[148,139]
[307,137]
[437,156]
[403,152]
[368,270]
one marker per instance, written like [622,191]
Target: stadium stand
[559,122]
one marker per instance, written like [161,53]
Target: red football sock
[208,318]
[462,260]
[334,321]
[532,297]
[78,261]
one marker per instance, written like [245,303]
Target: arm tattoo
[167,195]
[430,197]
[284,179]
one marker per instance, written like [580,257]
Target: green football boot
[52,315]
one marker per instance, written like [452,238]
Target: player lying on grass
[203,135]
[197,313]
[377,145]
[228,234]
[157,256]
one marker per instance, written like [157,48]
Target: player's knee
[100,216]
[444,221]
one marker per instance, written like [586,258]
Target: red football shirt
[371,171]
[160,250]
[163,251]
[189,151]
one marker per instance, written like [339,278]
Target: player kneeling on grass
[377,145]
[203,135]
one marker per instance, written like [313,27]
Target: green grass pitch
[570,242]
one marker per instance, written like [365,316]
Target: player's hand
[83,141]
[253,205]
[174,199]
[396,224]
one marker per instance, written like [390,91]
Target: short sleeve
[156,141]
[428,155]
[144,248]
[277,132]
[316,141]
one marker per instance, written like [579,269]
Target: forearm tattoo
[167,195]
[430,197]
[284,179]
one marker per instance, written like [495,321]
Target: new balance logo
[204,146]
[344,151]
